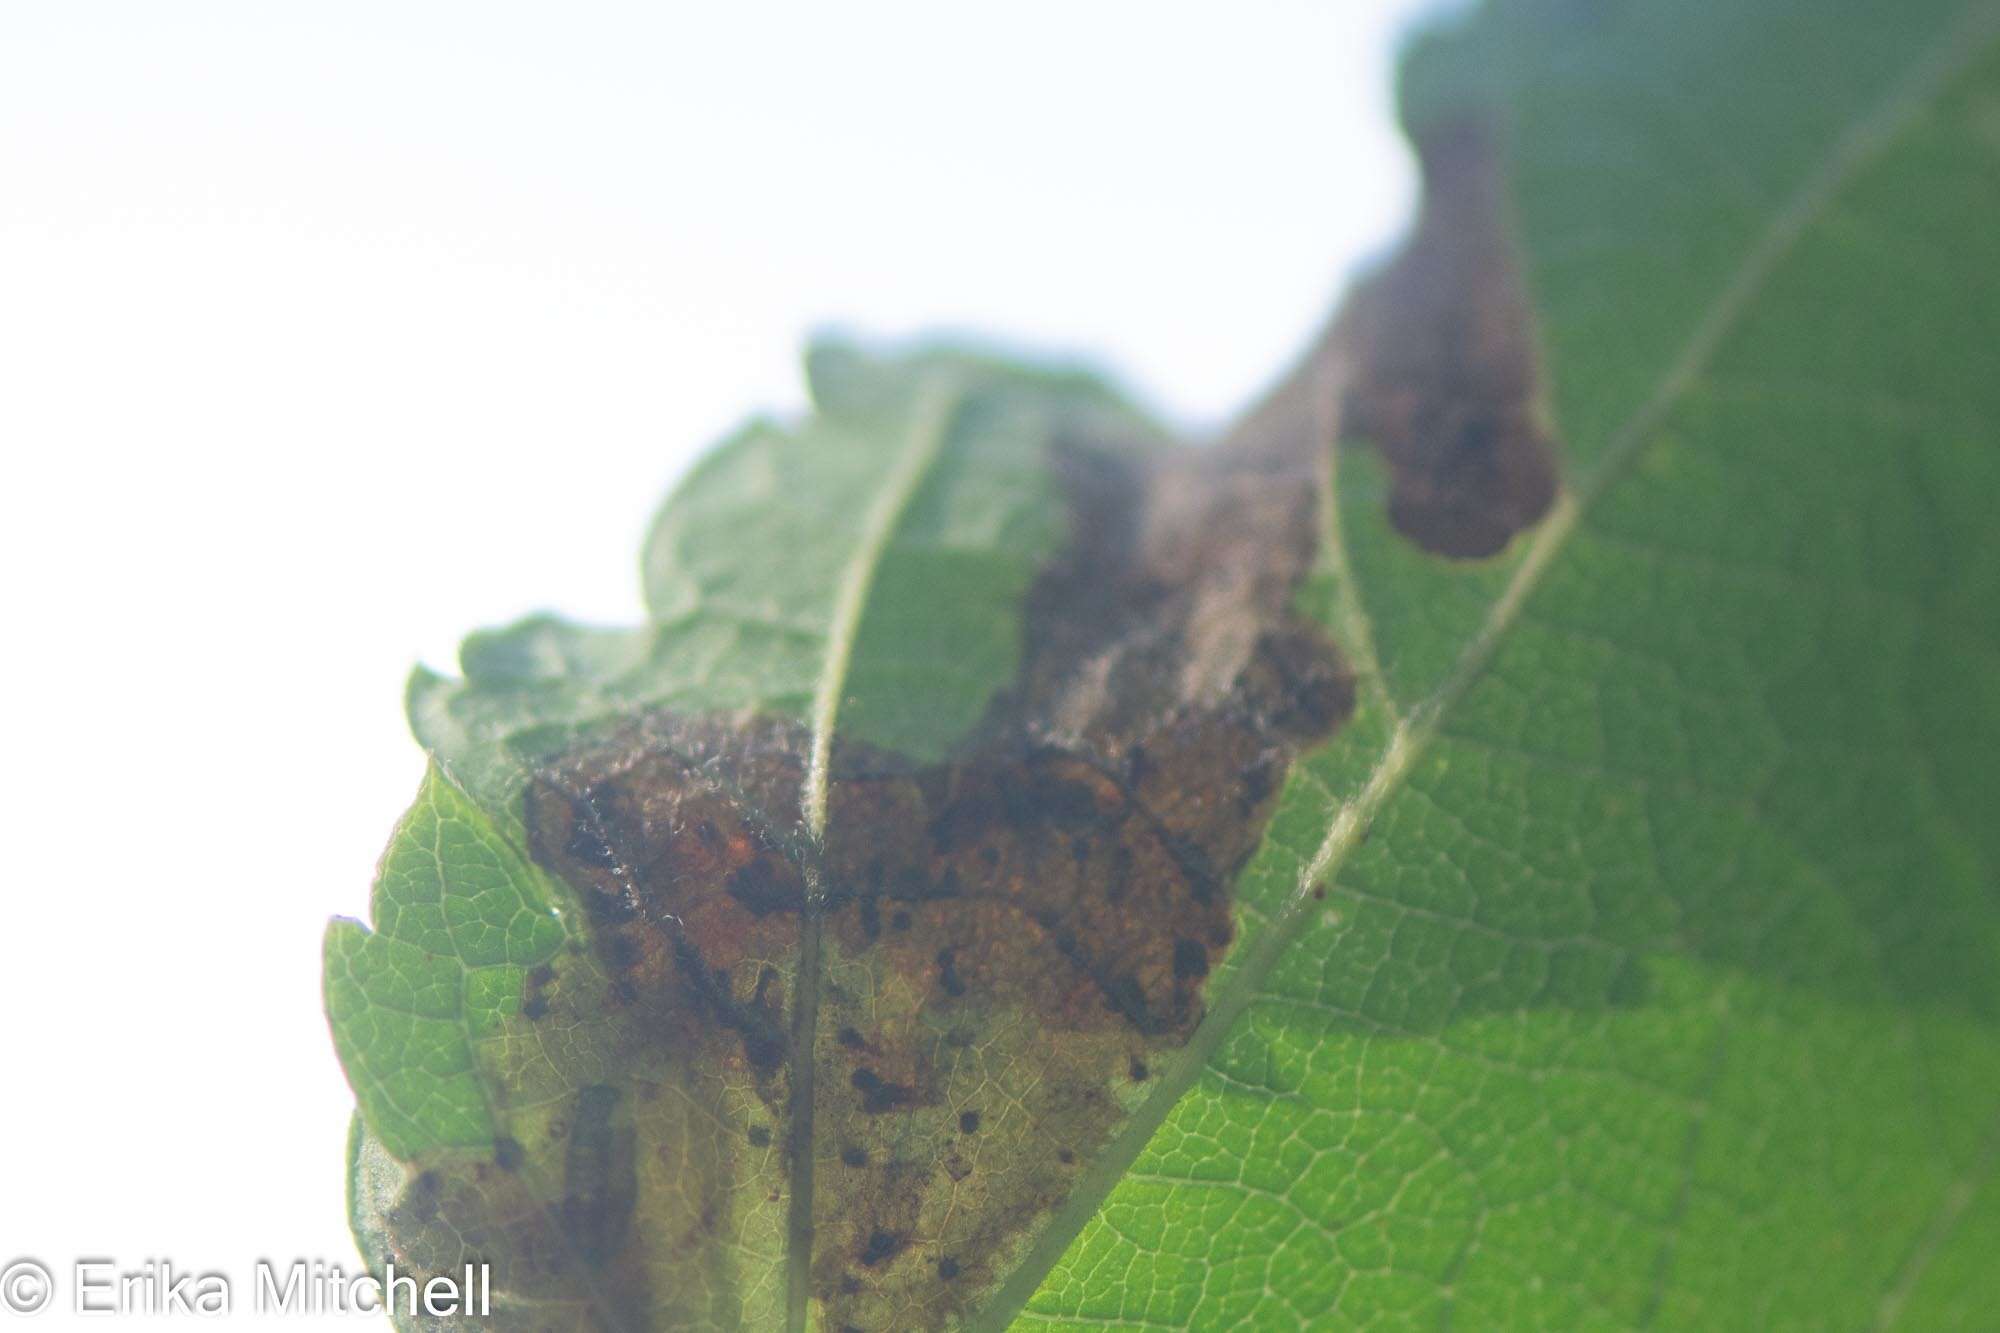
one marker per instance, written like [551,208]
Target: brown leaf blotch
[1038,914]
[1443,373]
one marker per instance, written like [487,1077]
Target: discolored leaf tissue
[1503,837]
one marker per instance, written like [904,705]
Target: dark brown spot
[878,1094]
[948,977]
[1138,1071]
[534,996]
[1445,378]
[882,1246]
[763,888]
[968,1122]
[1190,959]
[1259,780]
[421,1200]
[589,845]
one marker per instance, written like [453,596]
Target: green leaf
[1658,974]
[460,917]
[1527,865]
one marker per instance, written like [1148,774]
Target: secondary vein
[1951,1210]
[1356,628]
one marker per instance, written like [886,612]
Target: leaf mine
[826,952]
[1001,941]
[1443,374]
[1013,936]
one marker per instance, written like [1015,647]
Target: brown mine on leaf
[1040,913]
[1433,361]
[688,885]
[1444,376]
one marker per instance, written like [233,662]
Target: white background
[330,332]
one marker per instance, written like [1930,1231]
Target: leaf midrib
[931,416]
[1962,42]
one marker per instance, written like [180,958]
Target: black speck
[1065,1156]
[535,1008]
[849,1284]
[968,1122]
[853,1156]
[947,1268]
[760,1136]
[882,1245]
[1139,1071]
[507,1154]
[851,1039]
[879,1095]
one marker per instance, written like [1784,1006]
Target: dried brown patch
[1433,361]
[1443,375]
[693,891]
[1012,939]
